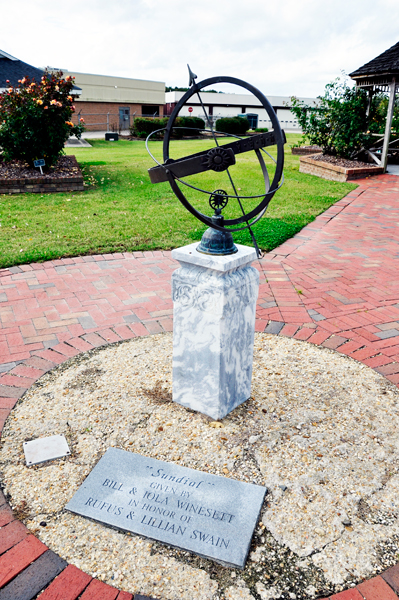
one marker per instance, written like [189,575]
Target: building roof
[382,68]
[13,69]
[120,90]
[227,99]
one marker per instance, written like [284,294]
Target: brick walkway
[335,284]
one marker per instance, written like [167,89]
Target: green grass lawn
[120,210]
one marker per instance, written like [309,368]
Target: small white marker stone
[43,449]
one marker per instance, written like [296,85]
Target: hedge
[236,125]
[183,126]
[142,127]
[194,124]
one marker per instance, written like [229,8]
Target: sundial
[222,157]
[215,289]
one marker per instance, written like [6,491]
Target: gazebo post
[381,75]
[388,125]
[370,91]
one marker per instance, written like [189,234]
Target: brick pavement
[334,284]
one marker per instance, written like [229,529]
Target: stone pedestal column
[213,329]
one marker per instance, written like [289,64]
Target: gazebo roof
[379,71]
[381,75]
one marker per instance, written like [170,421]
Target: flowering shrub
[36,118]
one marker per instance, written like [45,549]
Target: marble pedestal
[213,329]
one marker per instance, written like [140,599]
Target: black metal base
[216,242]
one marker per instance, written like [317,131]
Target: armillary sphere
[221,158]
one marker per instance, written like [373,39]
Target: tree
[338,122]
[378,114]
[35,118]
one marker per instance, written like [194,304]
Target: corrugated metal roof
[387,62]
[226,99]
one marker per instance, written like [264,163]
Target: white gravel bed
[320,431]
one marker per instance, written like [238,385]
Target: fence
[111,121]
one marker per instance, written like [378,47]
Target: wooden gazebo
[381,75]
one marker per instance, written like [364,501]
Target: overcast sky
[283,47]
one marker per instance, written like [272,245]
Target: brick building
[111,103]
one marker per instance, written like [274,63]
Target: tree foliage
[378,114]
[169,88]
[338,122]
[35,118]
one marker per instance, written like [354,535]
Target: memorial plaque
[212,516]
[44,449]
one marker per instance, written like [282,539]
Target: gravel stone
[320,431]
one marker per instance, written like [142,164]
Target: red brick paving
[352,594]
[12,534]
[19,557]
[68,585]
[6,516]
[97,590]
[124,596]
[334,284]
[376,589]
[391,576]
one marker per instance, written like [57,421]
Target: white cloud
[286,47]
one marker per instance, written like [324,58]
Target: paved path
[335,284]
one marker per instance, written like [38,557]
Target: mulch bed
[17,177]
[19,169]
[305,149]
[343,162]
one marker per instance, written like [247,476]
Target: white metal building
[232,105]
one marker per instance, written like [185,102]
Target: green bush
[142,126]
[378,114]
[261,130]
[338,122]
[235,125]
[195,124]
[35,119]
